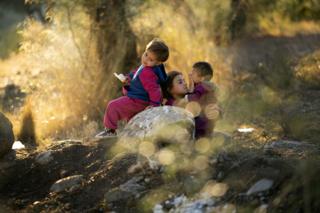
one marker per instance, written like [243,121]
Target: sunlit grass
[308,70]
[60,73]
[276,24]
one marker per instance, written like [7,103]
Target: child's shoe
[107,133]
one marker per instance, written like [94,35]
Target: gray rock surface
[166,122]
[44,157]
[286,144]
[292,148]
[260,186]
[183,204]
[132,188]
[66,183]
[6,135]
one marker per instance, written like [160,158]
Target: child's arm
[127,81]
[191,83]
[213,112]
[196,94]
[149,82]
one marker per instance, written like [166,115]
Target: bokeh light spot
[194,108]
[146,148]
[215,189]
[200,162]
[202,145]
[166,157]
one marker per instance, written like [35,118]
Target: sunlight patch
[18,145]
[246,129]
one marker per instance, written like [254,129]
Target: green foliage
[9,41]
[229,20]
[299,10]
[308,70]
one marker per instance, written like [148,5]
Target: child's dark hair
[169,83]
[204,69]
[158,47]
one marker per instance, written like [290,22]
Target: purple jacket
[204,94]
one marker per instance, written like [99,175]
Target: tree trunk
[116,44]
[116,41]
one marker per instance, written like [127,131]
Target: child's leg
[122,108]
[203,126]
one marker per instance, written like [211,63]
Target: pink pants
[123,108]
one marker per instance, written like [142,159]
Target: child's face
[179,87]
[196,76]
[149,59]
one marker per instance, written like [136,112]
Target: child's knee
[113,104]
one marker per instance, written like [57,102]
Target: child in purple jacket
[143,89]
[203,92]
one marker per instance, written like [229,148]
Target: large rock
[67,183]
[161,134]
[161,123]
[6,135]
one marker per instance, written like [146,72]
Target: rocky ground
[246,172]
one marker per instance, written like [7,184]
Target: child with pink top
[142,90]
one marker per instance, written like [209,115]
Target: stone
[132,188]
[260,186]
[116,194]
[6,135]
[44,157]
[66,183]
[286,144]
[166,122]
[158,209]
[292,148]
[183,204]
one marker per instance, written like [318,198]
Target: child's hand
[212,111]
[149,107]
[126,81]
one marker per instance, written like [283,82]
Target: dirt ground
[240,162]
